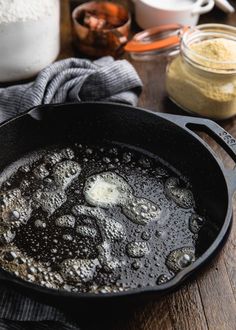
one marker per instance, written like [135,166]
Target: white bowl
[150,13]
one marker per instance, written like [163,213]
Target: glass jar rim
[207,32]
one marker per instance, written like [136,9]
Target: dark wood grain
[230,257]
[217,297]
[209,302]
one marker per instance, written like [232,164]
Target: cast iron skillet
[170,137]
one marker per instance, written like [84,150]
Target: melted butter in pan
[96,219]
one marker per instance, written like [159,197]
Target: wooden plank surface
[209,301]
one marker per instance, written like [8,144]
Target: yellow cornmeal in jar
[205,88]
[222,50]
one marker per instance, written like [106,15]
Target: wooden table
[209,302]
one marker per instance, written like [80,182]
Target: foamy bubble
[14,208]
[41,172]
[162,279]
[7,237]
[24,184]
[181,196]
[53,158]
[145,162]
[110,228]
[67,153]
[141,211]
[106,160]
[86,231]
[136,265]
[67,221]
[10,256]
[67,237]
[25,168]
[65,172]
[49,201]
[108,262]
[180,258]
[137,249]
[89,151]
[127,157]
[88,211]
[195,223]
[113,151]
[145,236]
[79,270]
[106,189]
[40,224]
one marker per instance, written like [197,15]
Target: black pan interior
[94,122]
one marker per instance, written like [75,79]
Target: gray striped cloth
[20,312]
[70,80]
[74,80]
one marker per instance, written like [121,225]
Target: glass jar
[200,83]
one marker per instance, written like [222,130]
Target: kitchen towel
[70,80]
[74,80]
[20,312]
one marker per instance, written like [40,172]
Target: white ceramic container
[29,45]
[150,13]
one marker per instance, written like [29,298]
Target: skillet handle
[222,137]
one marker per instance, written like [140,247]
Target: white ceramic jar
[150,13]
[29,37]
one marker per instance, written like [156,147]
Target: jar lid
[157,39]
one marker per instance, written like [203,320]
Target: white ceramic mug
[149,13]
